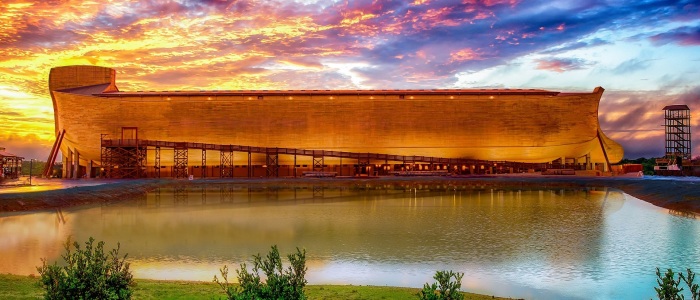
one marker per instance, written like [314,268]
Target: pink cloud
[560,65]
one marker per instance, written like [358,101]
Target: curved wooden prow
[68,77]
[71,77]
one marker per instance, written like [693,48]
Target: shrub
[669,289]
[444,288]
[693,287]
[88,274]
[280,284]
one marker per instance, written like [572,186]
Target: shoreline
[680,194]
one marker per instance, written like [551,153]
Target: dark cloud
[643,147]
[219,4]
[691,97]
[43,35]
[29,147]
[684,36]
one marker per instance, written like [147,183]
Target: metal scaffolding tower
[124,160]
[318,161]
[677,125]
[180,160]
[272,163]
[226,162]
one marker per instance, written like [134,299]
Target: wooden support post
[76,164]
[250,162]
[48,169]
[204,163]
[605,153]
[156,162]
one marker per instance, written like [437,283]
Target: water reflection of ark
[27,238]
[189,232]
[433,224]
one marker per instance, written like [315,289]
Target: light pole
[31,164]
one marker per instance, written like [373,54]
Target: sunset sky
[646,54]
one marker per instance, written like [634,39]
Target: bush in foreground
[669,287]
[280,284]
[89,273]
[444,288]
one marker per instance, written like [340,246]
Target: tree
[88,274]
[280,284]
[37,167]
[694,288]
[444,288]
[669,289]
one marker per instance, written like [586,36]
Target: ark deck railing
[296,151]
[128,157]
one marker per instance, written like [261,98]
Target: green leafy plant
[280,284]
[88,273]
[445,288]
[669,287]
[692,287]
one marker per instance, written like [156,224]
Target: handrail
[365,156]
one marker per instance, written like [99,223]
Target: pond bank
[681,194]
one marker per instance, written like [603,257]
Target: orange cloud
[464,55]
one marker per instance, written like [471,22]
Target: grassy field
[24,287]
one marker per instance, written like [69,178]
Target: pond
[525,243]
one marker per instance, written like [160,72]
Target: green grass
[25,287]
[19,287]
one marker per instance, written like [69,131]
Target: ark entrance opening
[129,133]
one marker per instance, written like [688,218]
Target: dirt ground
[680,194]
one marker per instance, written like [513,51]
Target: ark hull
[496,125]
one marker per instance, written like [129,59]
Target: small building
[10,164]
